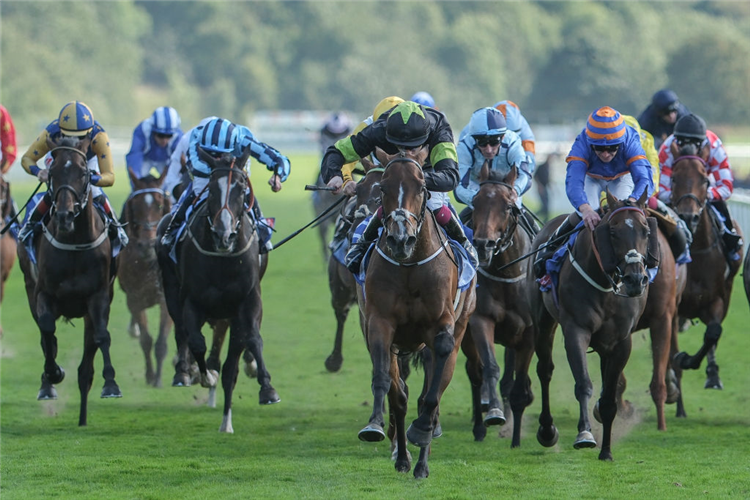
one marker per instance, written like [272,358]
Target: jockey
[488,138]
[424,99]
[177,159]
[691,130]
[154,140]
[660,116]
[407,129]
[336,127]
[8,147]
[606,155]
[216,137]
[75,119]
[518,124]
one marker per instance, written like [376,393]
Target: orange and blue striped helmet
[605,127]
[76,119]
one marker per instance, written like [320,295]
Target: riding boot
[680,238]
[178,217]
[357,251]
[455,230]
[528,223]
[263,228]
[732,241]
[36,215]
[553,243]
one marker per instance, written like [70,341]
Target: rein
[15,217]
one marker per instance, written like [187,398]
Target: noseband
[402,214]
[80,202]
[506,238]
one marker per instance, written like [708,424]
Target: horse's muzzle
[691,219]
[65,221]
[401,246]
[485,250]
[634,284]
[224,241]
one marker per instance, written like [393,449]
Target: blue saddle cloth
[466,270]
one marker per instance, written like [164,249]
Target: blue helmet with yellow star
[76,119]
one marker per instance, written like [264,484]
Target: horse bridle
[691,196]
[140,192]
[402,212]
[506,237]
[238,220]
[79,203]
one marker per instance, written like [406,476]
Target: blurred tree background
[557,60]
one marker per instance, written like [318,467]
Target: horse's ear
[133,177]
[162,174]
[422,156]
[382,157]
[674,149]
[366,164]
[51,144]
[205,157]
[484,172]
[705,152]
[642,200]
[611,200]
[512,175]
[183,160]
[84,144]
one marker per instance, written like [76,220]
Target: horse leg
[710,339]
[483,333]
[379,340]
[474,371]
[547,434]
[193,320]
[53,374]
[213,363]
[661,333]
[139,320]
[506,384]
[254,311]
[397,404]
[237,341]
[611,367]
[521,395]
[160,349]
[171,288]
[341,301]
[576,342]
[712,371]
[98,307]
[680,407]
[86,368]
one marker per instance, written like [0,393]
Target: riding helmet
[219,136]
[407,125]
[338,124]
[691,126]
[76,119]
[487,121]
[605,127]
[384,105]
[665,100]
[165,121]
[424,99]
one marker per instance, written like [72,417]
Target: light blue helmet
[487,121]
[165,121]
[424,99]
[219,136]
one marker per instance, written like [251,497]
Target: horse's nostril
[411,241]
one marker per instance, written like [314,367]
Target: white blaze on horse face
[148,199]
[225,216]
[629,223]
[67,164]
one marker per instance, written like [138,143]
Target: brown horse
[340,280]
[72,275]
[601,294]
[7,242]
[218,278]
[710,275]
[502,315]
[411,299]
[321,200]
[138,269]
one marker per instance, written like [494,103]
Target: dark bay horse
[710,275]
[598,303]
[341,282]
[410,300]
[503,314]
[321,200]
[218,278]
[138,269]
[72,275]
[7,242]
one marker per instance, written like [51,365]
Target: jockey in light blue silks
[219,136]
[154,140]
[606,155]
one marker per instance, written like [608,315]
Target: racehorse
[7,242]
[411,299]
[502,314]
[218,278]
[601,294]
[138,269]
[710,275]
[340,280]
[321,200]
[72,276]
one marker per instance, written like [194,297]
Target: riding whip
[15,217]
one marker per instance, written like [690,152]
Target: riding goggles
[606,149]
[493,141]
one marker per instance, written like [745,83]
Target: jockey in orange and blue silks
[75,119]
[154,140]
[219,136]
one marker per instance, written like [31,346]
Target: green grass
[164,443]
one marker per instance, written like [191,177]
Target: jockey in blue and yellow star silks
[154,140]
[407,128]
[75,119]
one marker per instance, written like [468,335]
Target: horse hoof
[56,377]
[606,456]
[437,431]
[418,437]
[209,378]
[181,380]
[713,383]
[372,433]
[269,396]
[134,330]
[333,364]
[111,391]
[494,417]
[584,440]
[480,432]
[685,361]
[46,393]
[545,441]
[251,369]
[421,471]
[597,415]
[403,466]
